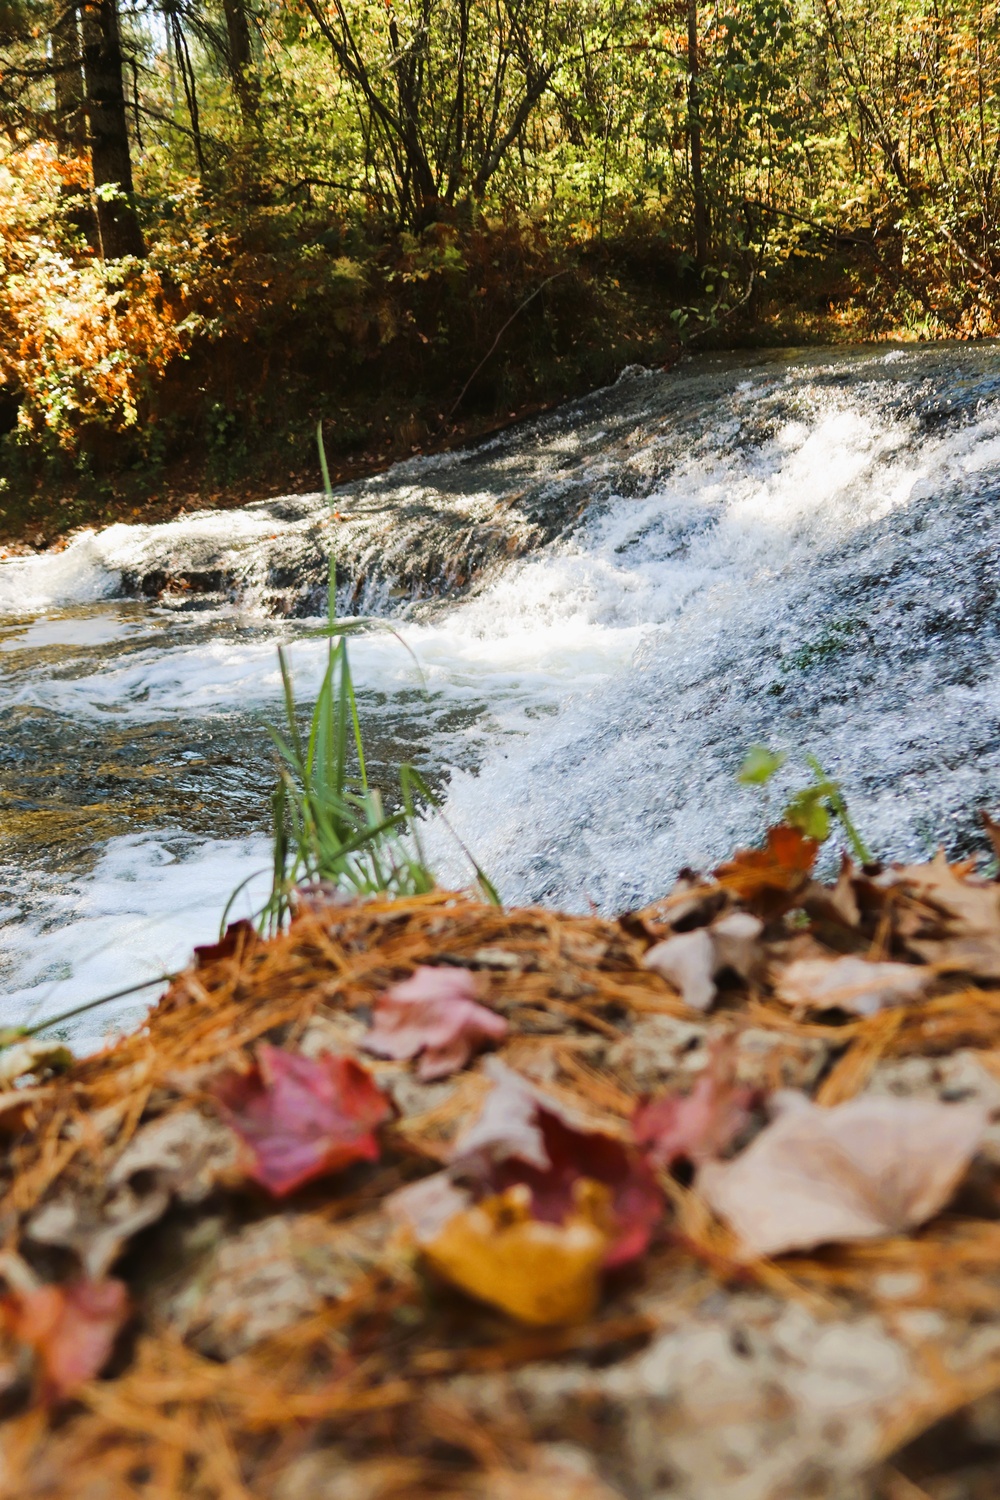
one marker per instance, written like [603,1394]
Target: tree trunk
[110,157]
[694,141]
[241,58]
[67,67]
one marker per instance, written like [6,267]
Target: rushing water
[603,610]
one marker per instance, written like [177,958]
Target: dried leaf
[238,938]
[71,1328]
[952,919]
[770,879]
[19,1058]
[686,961]
[861,1170]
[425,1207]
[700,1125]
[433,1013]
[507,1125]
[540,1273]
[180,1155]
[302,1117]
[691,960]
[523,1140]
[850,983]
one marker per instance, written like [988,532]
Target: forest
[224,221]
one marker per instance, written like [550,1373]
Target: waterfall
[602,609]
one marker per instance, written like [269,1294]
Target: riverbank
[250,1253]
[411,353]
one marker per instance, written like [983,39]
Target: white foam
[77,575]
[149,900]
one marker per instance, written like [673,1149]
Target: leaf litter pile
[427,1197]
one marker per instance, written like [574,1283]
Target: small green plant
[811,807]
[330,825]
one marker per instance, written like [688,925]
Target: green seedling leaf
[808,812]
[759,765]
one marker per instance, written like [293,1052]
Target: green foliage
[361,206]
[811,807]
[759,765]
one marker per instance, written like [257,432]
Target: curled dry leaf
[850,983]
[953,918]
[507,1125]
[539,1272]
[521,1139]
[700,1125]
[178,1156]
[861,1170]
[686,961]
[433,1014]
[20,1058]
[71,1329]
[238,938]
[301,1117]
[691,960]
[769,880]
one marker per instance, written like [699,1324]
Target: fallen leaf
[19,1058]
[507,1125]
[71,1328]
[700,1125]
[837,904]
[425,1207]
[523,1140]
[178,1156]
[237,939]
[301,1117]
[433,1014]
[770,879]
[541,1273]
[687,961]
[952,919]
[690,961]
[850,983]
[861,1170]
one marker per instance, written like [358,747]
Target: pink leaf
[433,1013]
[71,1328]
[302,1117]
[697,1126]
[861,1170]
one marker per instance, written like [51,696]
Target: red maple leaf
[71,1328]
[302,1117]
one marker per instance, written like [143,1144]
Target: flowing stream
[603,610]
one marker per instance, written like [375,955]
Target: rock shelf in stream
[250,1250]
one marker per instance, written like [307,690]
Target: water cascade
[603,609]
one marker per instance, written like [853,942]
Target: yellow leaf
[537,1272]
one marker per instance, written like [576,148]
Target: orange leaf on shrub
[769,879]
[302,1117]
[71,1328]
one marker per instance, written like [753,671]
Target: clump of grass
[330,825]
